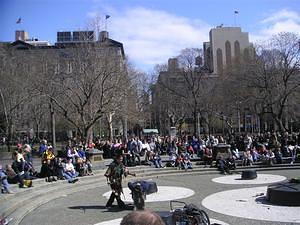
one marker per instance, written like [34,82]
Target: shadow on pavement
[114,208]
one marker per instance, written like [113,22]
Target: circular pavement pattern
[118,221]
[261,179]
[165,193]
[250,203]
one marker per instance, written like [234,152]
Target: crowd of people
[267,148]
[22,171]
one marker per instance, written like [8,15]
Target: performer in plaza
[114,174]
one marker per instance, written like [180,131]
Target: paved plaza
[223,201]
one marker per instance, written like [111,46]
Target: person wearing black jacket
[114,174]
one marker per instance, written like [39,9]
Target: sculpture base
[284,193]
[249,175]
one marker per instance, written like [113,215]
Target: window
[69,67]
[246,55]
[219,61]
[56,68]
[228,53]
[45,67]
[237,49]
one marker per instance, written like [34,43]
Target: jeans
[69,176]
[4,182]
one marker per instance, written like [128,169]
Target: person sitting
[278,155]
[186,161]
[247,158]
[59,168]
[134,151]
[63,174]
[255,154]
[148,152]
[179,161]
[230,163]
[4,182]
[207,156]
[269,157]
[84,166]
[222,165]
[28,166]
[156,159]
[43,147]
[18,168]
[190,150]
[172,160]
[235,152]
[70,173]
[72,154]
[48,165]
[13,177]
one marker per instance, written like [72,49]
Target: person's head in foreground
[143,217]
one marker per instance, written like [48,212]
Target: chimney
[103,36]
[172,64]
[21,35]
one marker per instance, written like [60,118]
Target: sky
[152,31]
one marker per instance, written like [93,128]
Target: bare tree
[269,83]
[15,88]
[84,83]
[186,85]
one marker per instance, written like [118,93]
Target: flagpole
[235,19]
[106,17]
[234,16]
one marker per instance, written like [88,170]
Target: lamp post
[198,124]
[52,115]
[238,109]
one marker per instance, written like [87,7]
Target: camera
[188,214]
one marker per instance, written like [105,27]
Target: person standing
[114,174]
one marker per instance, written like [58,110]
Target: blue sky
[151,30]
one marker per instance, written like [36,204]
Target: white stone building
[226,45]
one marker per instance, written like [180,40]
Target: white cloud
[283,14]
[152,36]
[281,21]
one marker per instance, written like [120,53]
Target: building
[75,36]
[75,53]
[226,46]
[21,35]
[178,97]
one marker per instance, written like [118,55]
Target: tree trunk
[88,134]
[125,128]
[38,131]
[110,127]
[53,130]
[195,121]
[9,135]
[280,124]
